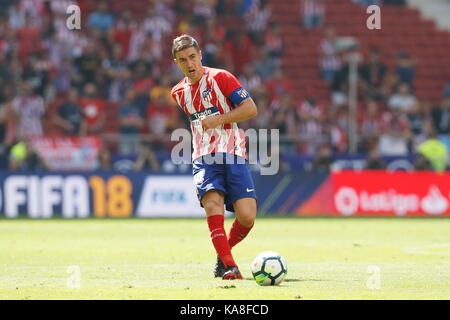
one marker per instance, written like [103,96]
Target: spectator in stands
[122,31]
[28,36]
[419,118]
[263,65]
[330,62]
[390,84]
[375,161]
[310,124]
[367,3]
[155,24]
[6,74]
[447,90]
[146,160]
[214,34]
[405,68]
[7,118]
[202,9]
[336,128]
[93,109]
[251,81]
[23,157]
[339,86]
[102,18]
[273,41]
[257,19]
[87,65]
[104,159]
[313,12]
[278,85]
[142,82]
[37,71]
[323,160]
[29,109]
[310,108]
[283,109]
[403,100]
[372,75]
[130,123]
[118,74]
[421,163]
[241,48]
[16,15]
[395,136]
[339,91]
[395,2]
[441,117]
[160,117]
[434,151]
[5,132]
[264,116]
[69,116]
[163,88]
[242,7]
[370,126]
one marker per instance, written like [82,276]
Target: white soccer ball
[268,268]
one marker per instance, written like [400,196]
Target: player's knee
[213,206]
[247,219]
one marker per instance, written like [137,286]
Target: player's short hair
[183,42]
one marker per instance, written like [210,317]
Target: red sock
[219,239]
[237,233]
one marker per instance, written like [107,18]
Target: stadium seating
[403,29]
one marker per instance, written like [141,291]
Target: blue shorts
[233,179]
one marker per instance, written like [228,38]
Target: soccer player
[215,101]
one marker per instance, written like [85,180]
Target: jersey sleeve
[231,87]
[175,97]
[172,94]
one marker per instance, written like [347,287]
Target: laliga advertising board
[98,195]
[381,193]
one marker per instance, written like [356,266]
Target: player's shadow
[292,280]
[304,280]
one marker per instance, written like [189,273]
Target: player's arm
[245,106]
[244,111]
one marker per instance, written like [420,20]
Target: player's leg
[213,203]
[241,199]
[245,210]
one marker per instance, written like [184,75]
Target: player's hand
[210,122]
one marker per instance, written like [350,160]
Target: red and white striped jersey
[217,92]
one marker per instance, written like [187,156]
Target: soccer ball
[268,268]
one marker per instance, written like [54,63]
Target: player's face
[189,61]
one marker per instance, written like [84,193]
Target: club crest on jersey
[207,95]
[242,93]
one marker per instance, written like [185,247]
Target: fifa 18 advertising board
[97,195]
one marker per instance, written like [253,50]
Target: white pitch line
[424,249]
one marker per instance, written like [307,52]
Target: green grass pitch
[348,258]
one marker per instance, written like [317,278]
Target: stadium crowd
[121,60]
